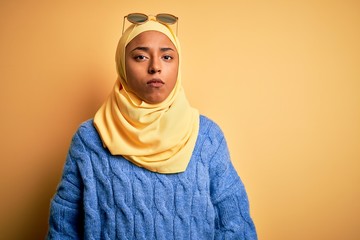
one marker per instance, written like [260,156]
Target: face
[151,62]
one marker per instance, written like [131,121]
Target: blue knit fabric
[102,196]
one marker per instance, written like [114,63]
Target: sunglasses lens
[137,18]
[166,18]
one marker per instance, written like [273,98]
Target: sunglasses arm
[123,24]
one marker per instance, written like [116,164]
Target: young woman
[149,166]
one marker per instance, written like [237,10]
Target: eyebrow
[147,49]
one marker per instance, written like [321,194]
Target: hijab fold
[159,137]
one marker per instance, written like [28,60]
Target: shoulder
[210,129]
[86,137]
[210,138]
[87,129]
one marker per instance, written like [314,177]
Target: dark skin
[152,63]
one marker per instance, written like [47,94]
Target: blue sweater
[102,196]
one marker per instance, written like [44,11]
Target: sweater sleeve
[65,220]
[228,194]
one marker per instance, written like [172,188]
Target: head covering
[159,137]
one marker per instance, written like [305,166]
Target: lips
[156,83]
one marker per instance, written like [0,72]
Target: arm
[65,220]
[228,195]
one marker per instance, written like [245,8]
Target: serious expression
[151,62]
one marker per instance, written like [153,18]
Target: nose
[154,67]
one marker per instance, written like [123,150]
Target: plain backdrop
[281,78]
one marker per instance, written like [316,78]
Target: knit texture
[102,196]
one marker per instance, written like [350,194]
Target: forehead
[149,38]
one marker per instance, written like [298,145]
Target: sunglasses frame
[148,17]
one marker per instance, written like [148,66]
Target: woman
[148,166]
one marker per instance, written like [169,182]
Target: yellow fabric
[159,137]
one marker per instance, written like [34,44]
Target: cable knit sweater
[102,196]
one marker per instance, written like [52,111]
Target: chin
[155,100]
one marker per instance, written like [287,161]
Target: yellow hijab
[159,137]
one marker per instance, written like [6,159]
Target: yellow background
[282,79]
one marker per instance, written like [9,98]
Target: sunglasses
[140,18]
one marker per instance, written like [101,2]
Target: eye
[167,57]
[140,58]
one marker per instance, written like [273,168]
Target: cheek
[173,77]
[131,79]
[131,72]
[175,72]
[130,65]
